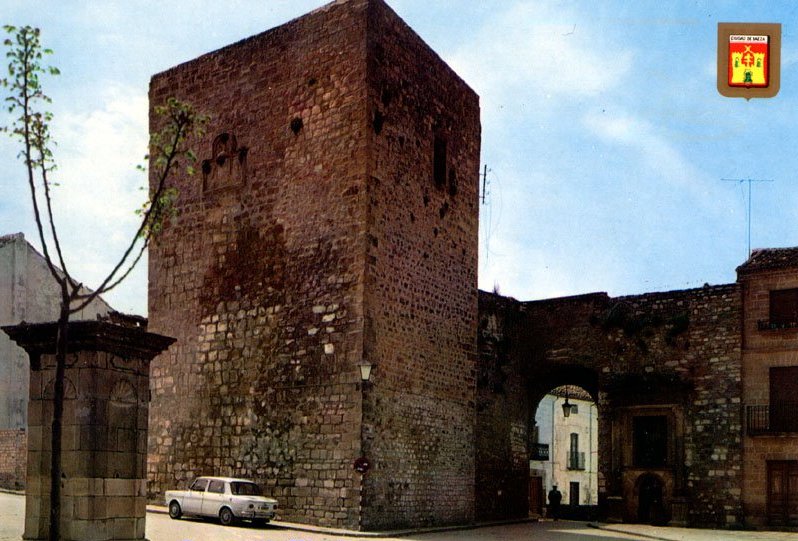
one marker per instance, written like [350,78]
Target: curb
[606,528]
[161,510]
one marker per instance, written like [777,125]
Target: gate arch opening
[564,453]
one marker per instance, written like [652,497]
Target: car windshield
[199,485]
[245,489]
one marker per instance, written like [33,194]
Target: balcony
[772,418]
[540,451]
[576,461]
[775,325]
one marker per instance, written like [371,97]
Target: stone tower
[333,222]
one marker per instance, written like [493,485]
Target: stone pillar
[104,439]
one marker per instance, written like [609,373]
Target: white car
[228,498]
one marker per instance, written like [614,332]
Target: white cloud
[532,49]
[647,149]
[99,188]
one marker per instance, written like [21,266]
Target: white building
[28,293]
[567,447]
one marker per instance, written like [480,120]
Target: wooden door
[573,494]
[782,492]
[536,496]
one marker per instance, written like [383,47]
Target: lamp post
[363,464]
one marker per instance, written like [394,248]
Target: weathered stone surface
[13,447]
[333,239]
[675,354]
[103,455]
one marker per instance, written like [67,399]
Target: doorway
[536,495]
[782,492]
[573,494]
[650,508]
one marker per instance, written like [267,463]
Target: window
[216,486]
[783,398]
[199,485]
[784,307]
[576,460]
[650,441]
[439,162]
[245,489]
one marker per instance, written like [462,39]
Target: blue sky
[605,137]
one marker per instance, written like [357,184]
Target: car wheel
[174,510]
[226,516]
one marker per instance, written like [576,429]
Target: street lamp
[363,464]
[365,370]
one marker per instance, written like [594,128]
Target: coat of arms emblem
[748,61]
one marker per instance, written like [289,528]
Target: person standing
[555,498]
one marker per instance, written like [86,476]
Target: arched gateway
[664,370]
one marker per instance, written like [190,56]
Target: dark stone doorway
[650,508]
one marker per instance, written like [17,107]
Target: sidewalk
[163,510]
[668,533]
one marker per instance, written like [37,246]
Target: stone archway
[564,449]
[663,368]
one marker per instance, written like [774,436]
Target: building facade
[564,451]
[769,283]
[27,293]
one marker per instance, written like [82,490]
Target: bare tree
[31,126]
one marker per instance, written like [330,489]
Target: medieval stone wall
[421,281]
[503,414]
[13,455]
[677,352]
[260,274]
[333,220]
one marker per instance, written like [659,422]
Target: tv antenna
[485,183]
[749,181]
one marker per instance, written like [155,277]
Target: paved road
[161,528]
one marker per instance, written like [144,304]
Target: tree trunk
[58,416]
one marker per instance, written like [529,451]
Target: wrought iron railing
[576,460]
[540,451]
[771,418]
[768,325]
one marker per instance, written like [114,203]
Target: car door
[192,504]
[214,497]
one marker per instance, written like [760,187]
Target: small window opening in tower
[439,162]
